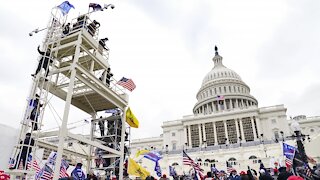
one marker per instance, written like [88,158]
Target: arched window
[254,159]
[232,161]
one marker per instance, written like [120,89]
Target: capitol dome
[222,89]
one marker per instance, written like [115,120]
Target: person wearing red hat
[234,175]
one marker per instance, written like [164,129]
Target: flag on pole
[136,169]
[220,97]
[172,171]
[112,111]
[63,169]
[131,119]
[95,7]
[153,156]
[127,83]
[11,163]
[288,152]
[32,165]
[65,7]
[46,173]
[157,169]
[188,161]
[141,152]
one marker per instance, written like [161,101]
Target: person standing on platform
[44,62]
[101,126]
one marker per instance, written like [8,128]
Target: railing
[221,146]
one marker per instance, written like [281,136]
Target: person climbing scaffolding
[44,62]
[35,106]
[25,150]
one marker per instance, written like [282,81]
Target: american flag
[188,161]
[308,170]
[45,173]
[63,169]
[288,152]
[127,83]
[229,167]
[220,97]
[34,165]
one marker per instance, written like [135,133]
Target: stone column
[200,135]
[213,107]
[215,134]
[242,132]
[224,105]
[185,133]
[204,132]
[219,107]
[236,103]
[253,129]
[258,125]
[189,134]
[237,129]
[225,129]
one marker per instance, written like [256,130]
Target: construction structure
[73,66]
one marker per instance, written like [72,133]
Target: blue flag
[112,111]
[153,156]
[65,7]
[157,169]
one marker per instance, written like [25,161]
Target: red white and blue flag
[153,156]
[288,152]
[127,83]
[32,163]
[188,161]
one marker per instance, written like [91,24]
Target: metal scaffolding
[75,58]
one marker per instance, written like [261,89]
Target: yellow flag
[137,170]
[131,119]
[141,152]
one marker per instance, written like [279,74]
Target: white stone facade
[227,125]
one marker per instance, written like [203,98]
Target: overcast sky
[166,47]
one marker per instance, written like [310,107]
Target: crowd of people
[282,173]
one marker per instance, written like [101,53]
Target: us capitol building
[227,125]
